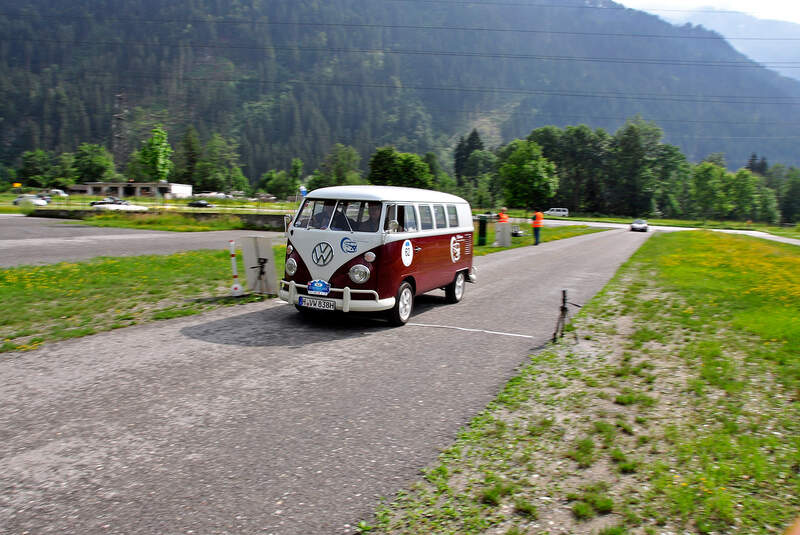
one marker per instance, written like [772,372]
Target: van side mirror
[394,226]
[287,220]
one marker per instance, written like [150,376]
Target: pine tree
[762,167]
[474,142]
[188,155]
[460,159]
[752,163]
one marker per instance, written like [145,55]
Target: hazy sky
[788,10]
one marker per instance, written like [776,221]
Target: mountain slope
[772,51]
[291,78]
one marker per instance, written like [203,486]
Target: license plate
[320,304]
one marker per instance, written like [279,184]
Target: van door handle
[417,249]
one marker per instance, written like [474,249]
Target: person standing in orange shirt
[536,223]
[502,217]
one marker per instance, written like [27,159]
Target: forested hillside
[291,78]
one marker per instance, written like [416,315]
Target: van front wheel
[454,291]
[404,304]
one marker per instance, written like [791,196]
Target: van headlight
[359,274]
[291,267]
[289,250]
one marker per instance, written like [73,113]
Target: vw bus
[374,248]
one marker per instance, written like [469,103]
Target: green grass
[790,231]
[548,234]
[69,300]
[40,304]
[583,453]
[691,417]
[11,209]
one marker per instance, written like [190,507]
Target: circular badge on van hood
[322,254]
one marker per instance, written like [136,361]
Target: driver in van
[323,218]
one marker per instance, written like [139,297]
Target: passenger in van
[404,215]
[373,221]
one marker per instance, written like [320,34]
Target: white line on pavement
[469,330]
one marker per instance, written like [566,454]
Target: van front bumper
[290,291]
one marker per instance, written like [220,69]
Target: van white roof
[384,193]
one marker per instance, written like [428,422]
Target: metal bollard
[481,229]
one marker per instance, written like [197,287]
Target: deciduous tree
[391,168]
[94,163]
[156,154]
[530,179]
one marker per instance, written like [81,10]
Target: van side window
[425,217]
[452,215]
[404,215]
[441,218]
[410,218]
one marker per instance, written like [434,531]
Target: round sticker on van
[407,253]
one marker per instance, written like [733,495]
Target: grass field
[791,231]
[671,406]
[67,300]
[548,234]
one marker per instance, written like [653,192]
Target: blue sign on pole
[303,191]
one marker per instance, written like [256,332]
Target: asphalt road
[251,419]
[36,240]
[662,228]
[31,240]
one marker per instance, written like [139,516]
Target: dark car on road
[108,200]
[200,203]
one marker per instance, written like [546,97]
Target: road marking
[498,333]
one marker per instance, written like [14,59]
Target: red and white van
[374,248]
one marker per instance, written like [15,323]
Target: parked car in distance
[58,193]
[200,204]
[33,200]
[126,207]
[108,200]
[639,225]
[214,195]
[558,212]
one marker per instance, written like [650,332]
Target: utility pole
[119,130]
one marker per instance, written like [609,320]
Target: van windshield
[352,216]
[315,214]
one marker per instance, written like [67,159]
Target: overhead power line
[786,64]
[658,97]
[394,27]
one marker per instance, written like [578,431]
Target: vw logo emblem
[322,254]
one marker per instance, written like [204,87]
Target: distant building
[168,190]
